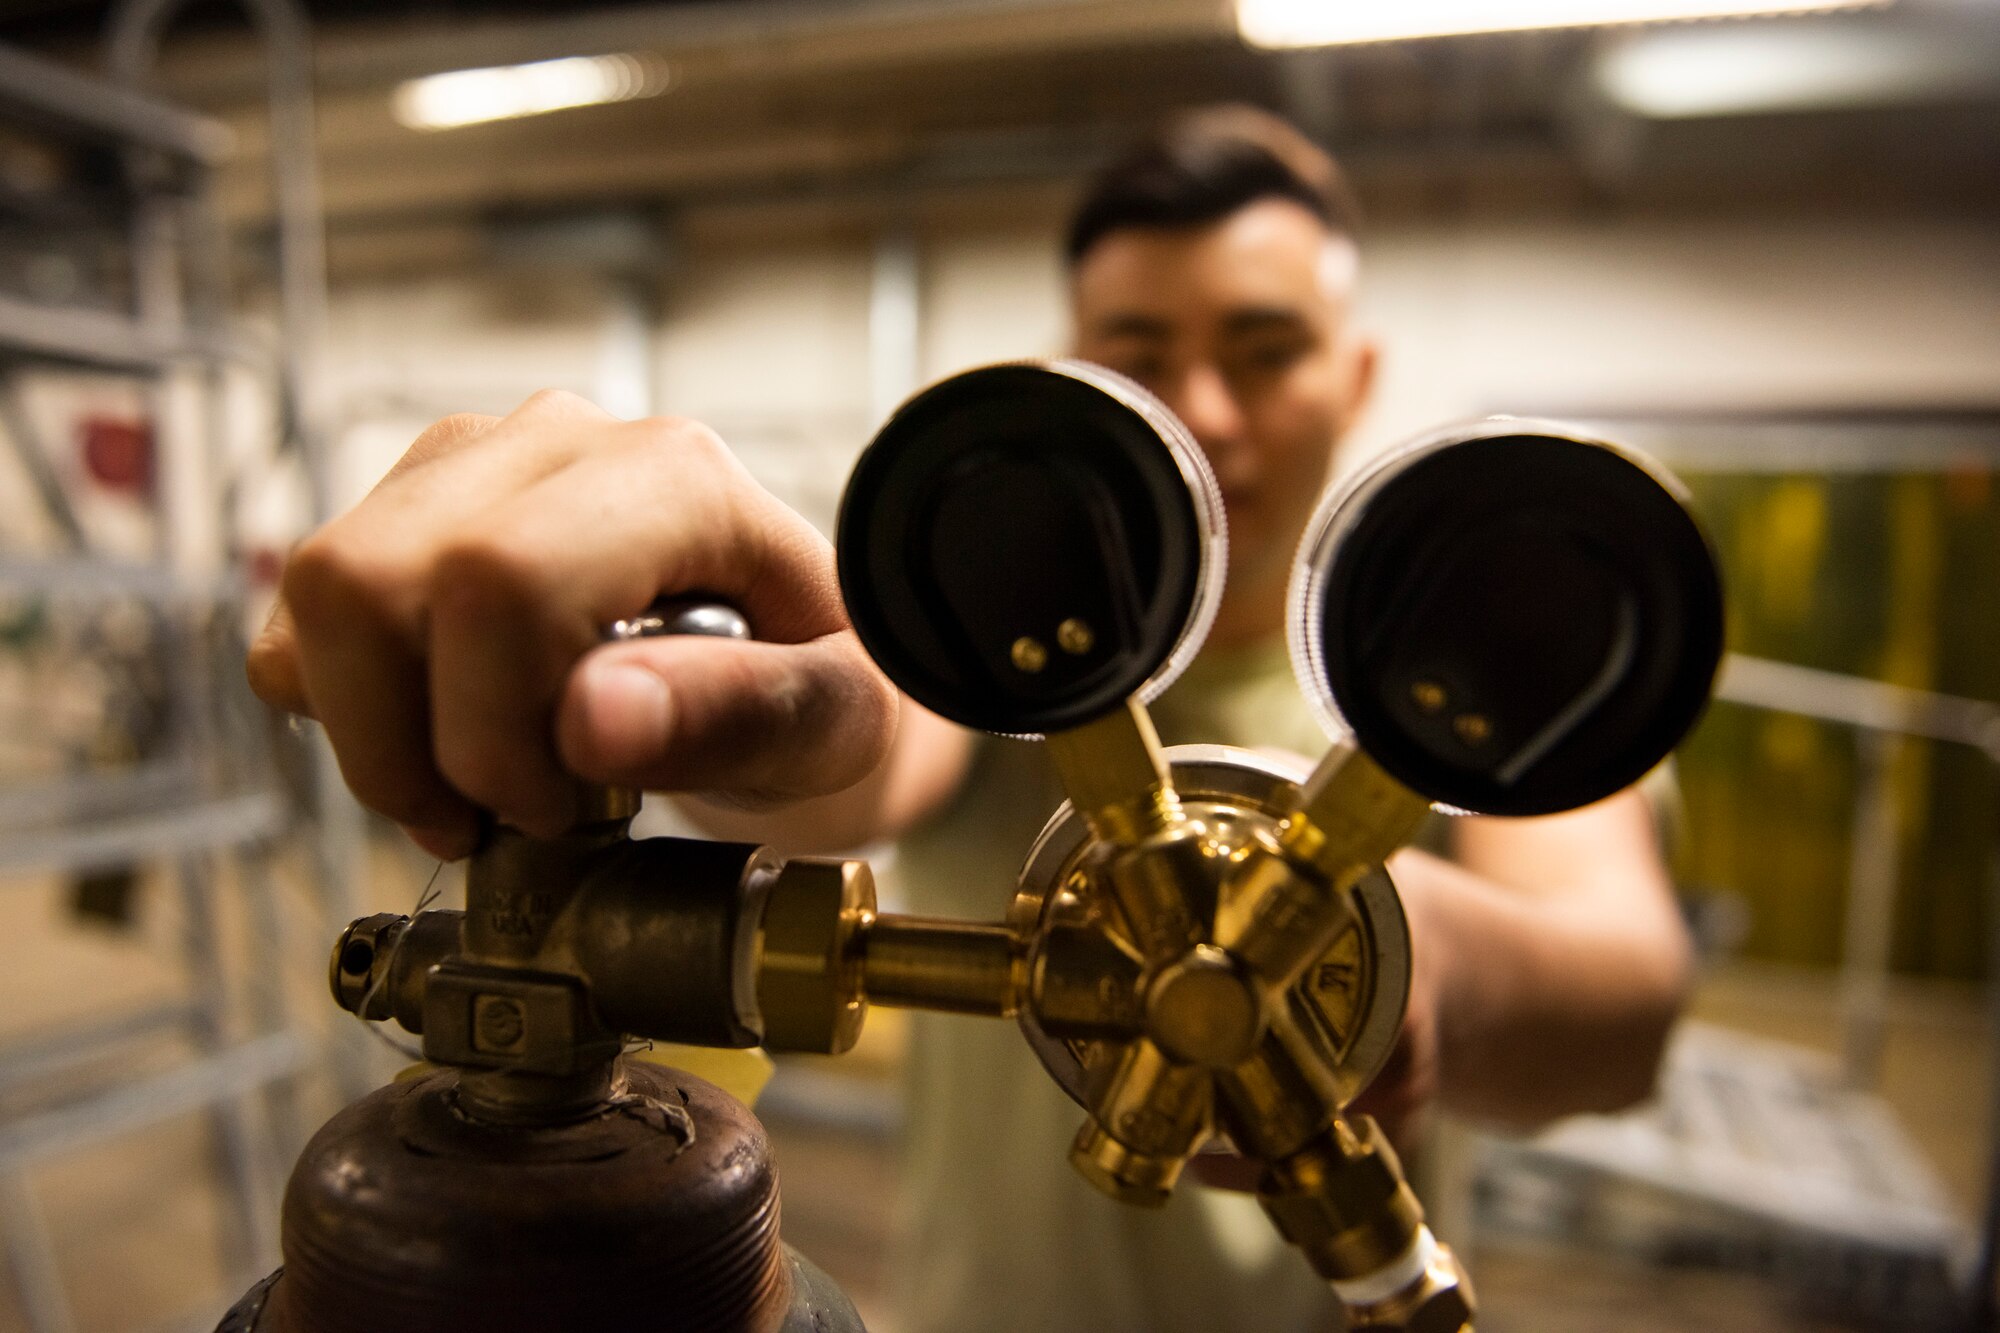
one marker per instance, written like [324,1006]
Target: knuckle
[481,575]
[330,579]
[491,774]
[556,402]
[857,668]
[869,706]
[842,700]
[400,801]
[479,769]
[684,438]
[451,430]
[882,700]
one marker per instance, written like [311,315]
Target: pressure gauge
[1024,546]
[1511,618]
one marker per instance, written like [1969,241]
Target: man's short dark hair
[1202,166]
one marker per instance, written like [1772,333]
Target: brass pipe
[1343,1201]
[954,966]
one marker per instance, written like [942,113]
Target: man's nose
[1208,407]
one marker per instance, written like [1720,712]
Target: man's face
[1240,326]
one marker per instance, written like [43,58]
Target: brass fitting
[1149,1114]
[1439,1299]
[1343,1201]
[1144,1180]
[384,962]
[354,971]
[808,971]
[1241,921]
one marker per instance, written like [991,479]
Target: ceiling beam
[753,39]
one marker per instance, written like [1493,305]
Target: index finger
[272,661]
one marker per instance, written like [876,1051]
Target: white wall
[764,331]
[1795,312]
[768,343]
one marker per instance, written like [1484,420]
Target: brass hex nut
[1344,1202]
[1352,1191]
[808,980]
[360,959]
[1440,1302]
[1444,1310]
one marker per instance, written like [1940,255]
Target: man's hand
[446,631]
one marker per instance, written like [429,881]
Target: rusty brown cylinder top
[658,1213]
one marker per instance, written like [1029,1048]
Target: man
[443,633]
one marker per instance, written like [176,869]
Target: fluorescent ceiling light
[1282,23]
[1766,69]
[506,92]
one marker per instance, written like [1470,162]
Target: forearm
[1547,1004]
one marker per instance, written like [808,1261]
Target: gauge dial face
[1511,618]
[1025,546]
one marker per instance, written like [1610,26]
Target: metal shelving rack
[206,807]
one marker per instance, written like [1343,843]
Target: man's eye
[1145,369]
[1270,357]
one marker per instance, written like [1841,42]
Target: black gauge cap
[1024,546]
[1516,623]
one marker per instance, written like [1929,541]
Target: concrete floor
[138,1227]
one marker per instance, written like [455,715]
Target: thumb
[758,723]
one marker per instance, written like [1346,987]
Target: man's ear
[1358,369]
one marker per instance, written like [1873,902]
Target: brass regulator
[1511,618]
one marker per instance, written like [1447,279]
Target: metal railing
[1884,719]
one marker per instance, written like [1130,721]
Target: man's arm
[1551,962]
